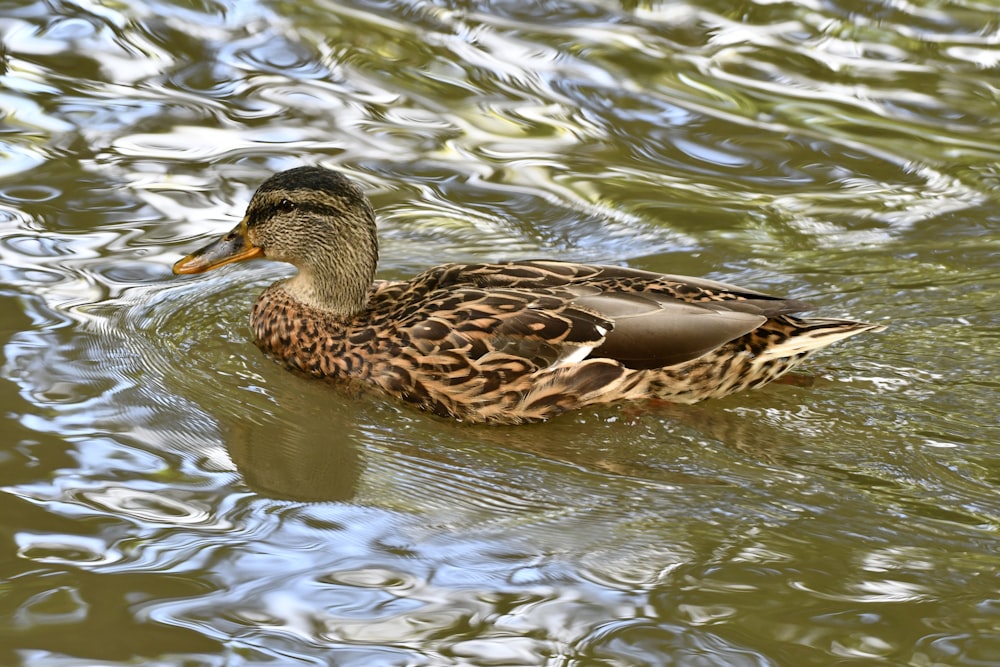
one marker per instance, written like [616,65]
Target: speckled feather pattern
[483,342]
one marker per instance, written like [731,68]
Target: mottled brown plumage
[499,343]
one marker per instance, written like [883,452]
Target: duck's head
[314,218]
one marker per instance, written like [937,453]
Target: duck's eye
[286,206]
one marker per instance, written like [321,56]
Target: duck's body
[498,343]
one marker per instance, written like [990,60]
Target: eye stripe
[261,212]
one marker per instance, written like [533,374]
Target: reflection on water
[171,497]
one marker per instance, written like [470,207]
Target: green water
[170,497]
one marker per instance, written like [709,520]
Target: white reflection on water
[146,506]
[65,549]
[843,155]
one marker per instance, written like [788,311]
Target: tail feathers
[813,333]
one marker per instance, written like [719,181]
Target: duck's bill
[233,247]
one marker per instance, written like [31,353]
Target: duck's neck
[340,298]
[338,282]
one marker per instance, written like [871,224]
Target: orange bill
[233,247]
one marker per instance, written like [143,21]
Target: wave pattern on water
[171,496]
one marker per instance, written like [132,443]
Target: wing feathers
[554,313]
[650,333]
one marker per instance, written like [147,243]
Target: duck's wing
[532,274]
[553,313]
[543,328]
[653,330]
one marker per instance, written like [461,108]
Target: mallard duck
[514,342]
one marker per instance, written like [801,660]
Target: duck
[497,343]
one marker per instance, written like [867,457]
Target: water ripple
[168,487]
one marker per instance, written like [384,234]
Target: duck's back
[523,341]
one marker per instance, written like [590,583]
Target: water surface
[169,496]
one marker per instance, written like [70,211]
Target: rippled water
[171,497]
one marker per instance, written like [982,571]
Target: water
[171,497]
